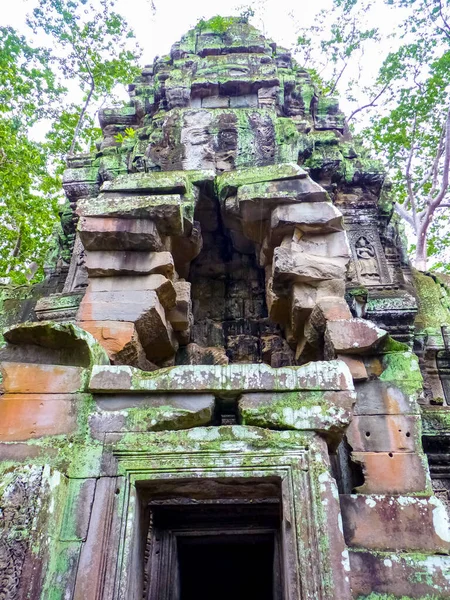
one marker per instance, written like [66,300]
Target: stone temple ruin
[238,388]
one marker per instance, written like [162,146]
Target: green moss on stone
[432,312]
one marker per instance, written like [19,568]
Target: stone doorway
[215,549]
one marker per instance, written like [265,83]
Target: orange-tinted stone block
[112,335]
[27,378]
[395,523]
[28,416]
[393,473]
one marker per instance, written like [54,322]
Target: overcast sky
[157,30]
[159,27]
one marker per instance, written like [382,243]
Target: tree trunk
[80,120]
[420,260]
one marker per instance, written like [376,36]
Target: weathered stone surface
[395,523]
[326,309]
[59,343]
[77,511]
[331,375]
[393,472]
[353,336]
[29,416]
[356,366]
[121,342]
[27,378]
[161,285]
[401,575]
[308,217]
[256,200]
[380,397]
[385,433]
[58,307]
[175,182]
[181,315]
[290,265]
[228,183]
[319,411]
[154,413]
[111,263]
[103,233]
[142,308]
[166,211]
[329,244]
[103,532]
[193,354]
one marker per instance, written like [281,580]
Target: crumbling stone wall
[237,290]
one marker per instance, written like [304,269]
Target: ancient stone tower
[238,388]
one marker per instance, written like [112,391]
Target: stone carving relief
[369,265]
[16,515]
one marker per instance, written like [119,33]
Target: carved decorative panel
[369,266]
[17,509]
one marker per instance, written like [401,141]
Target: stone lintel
[235,378]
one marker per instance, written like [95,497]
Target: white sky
[156,30]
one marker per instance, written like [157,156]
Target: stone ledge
[321,375]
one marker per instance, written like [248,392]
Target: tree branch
[372,103]
[401,210]
[411,196]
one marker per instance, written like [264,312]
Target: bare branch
[404,214]
[371,103]
[411,195]
[446,28]
[445,169]
[337,79]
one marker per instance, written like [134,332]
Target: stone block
[400,575]
[29,416]
[308,217]
[326,309]
[354,336]
[121,342]
[151,413]
[316,376]
[228,183]
[395,523]
[329,244]
[103,233]
[116,306]
[28,378]
[181,316]
[290,265]
[163,287]
[379,397]
[215,102]
[393,472]
[154,182]
[193,354]
[257,200]
[244,101]
[385,433]
[303,300]
[318,411]
[166,211]
[109,263]
[52,343]
[185,249]
[356,366]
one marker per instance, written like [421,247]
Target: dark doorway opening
[219,539]
[237,567]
